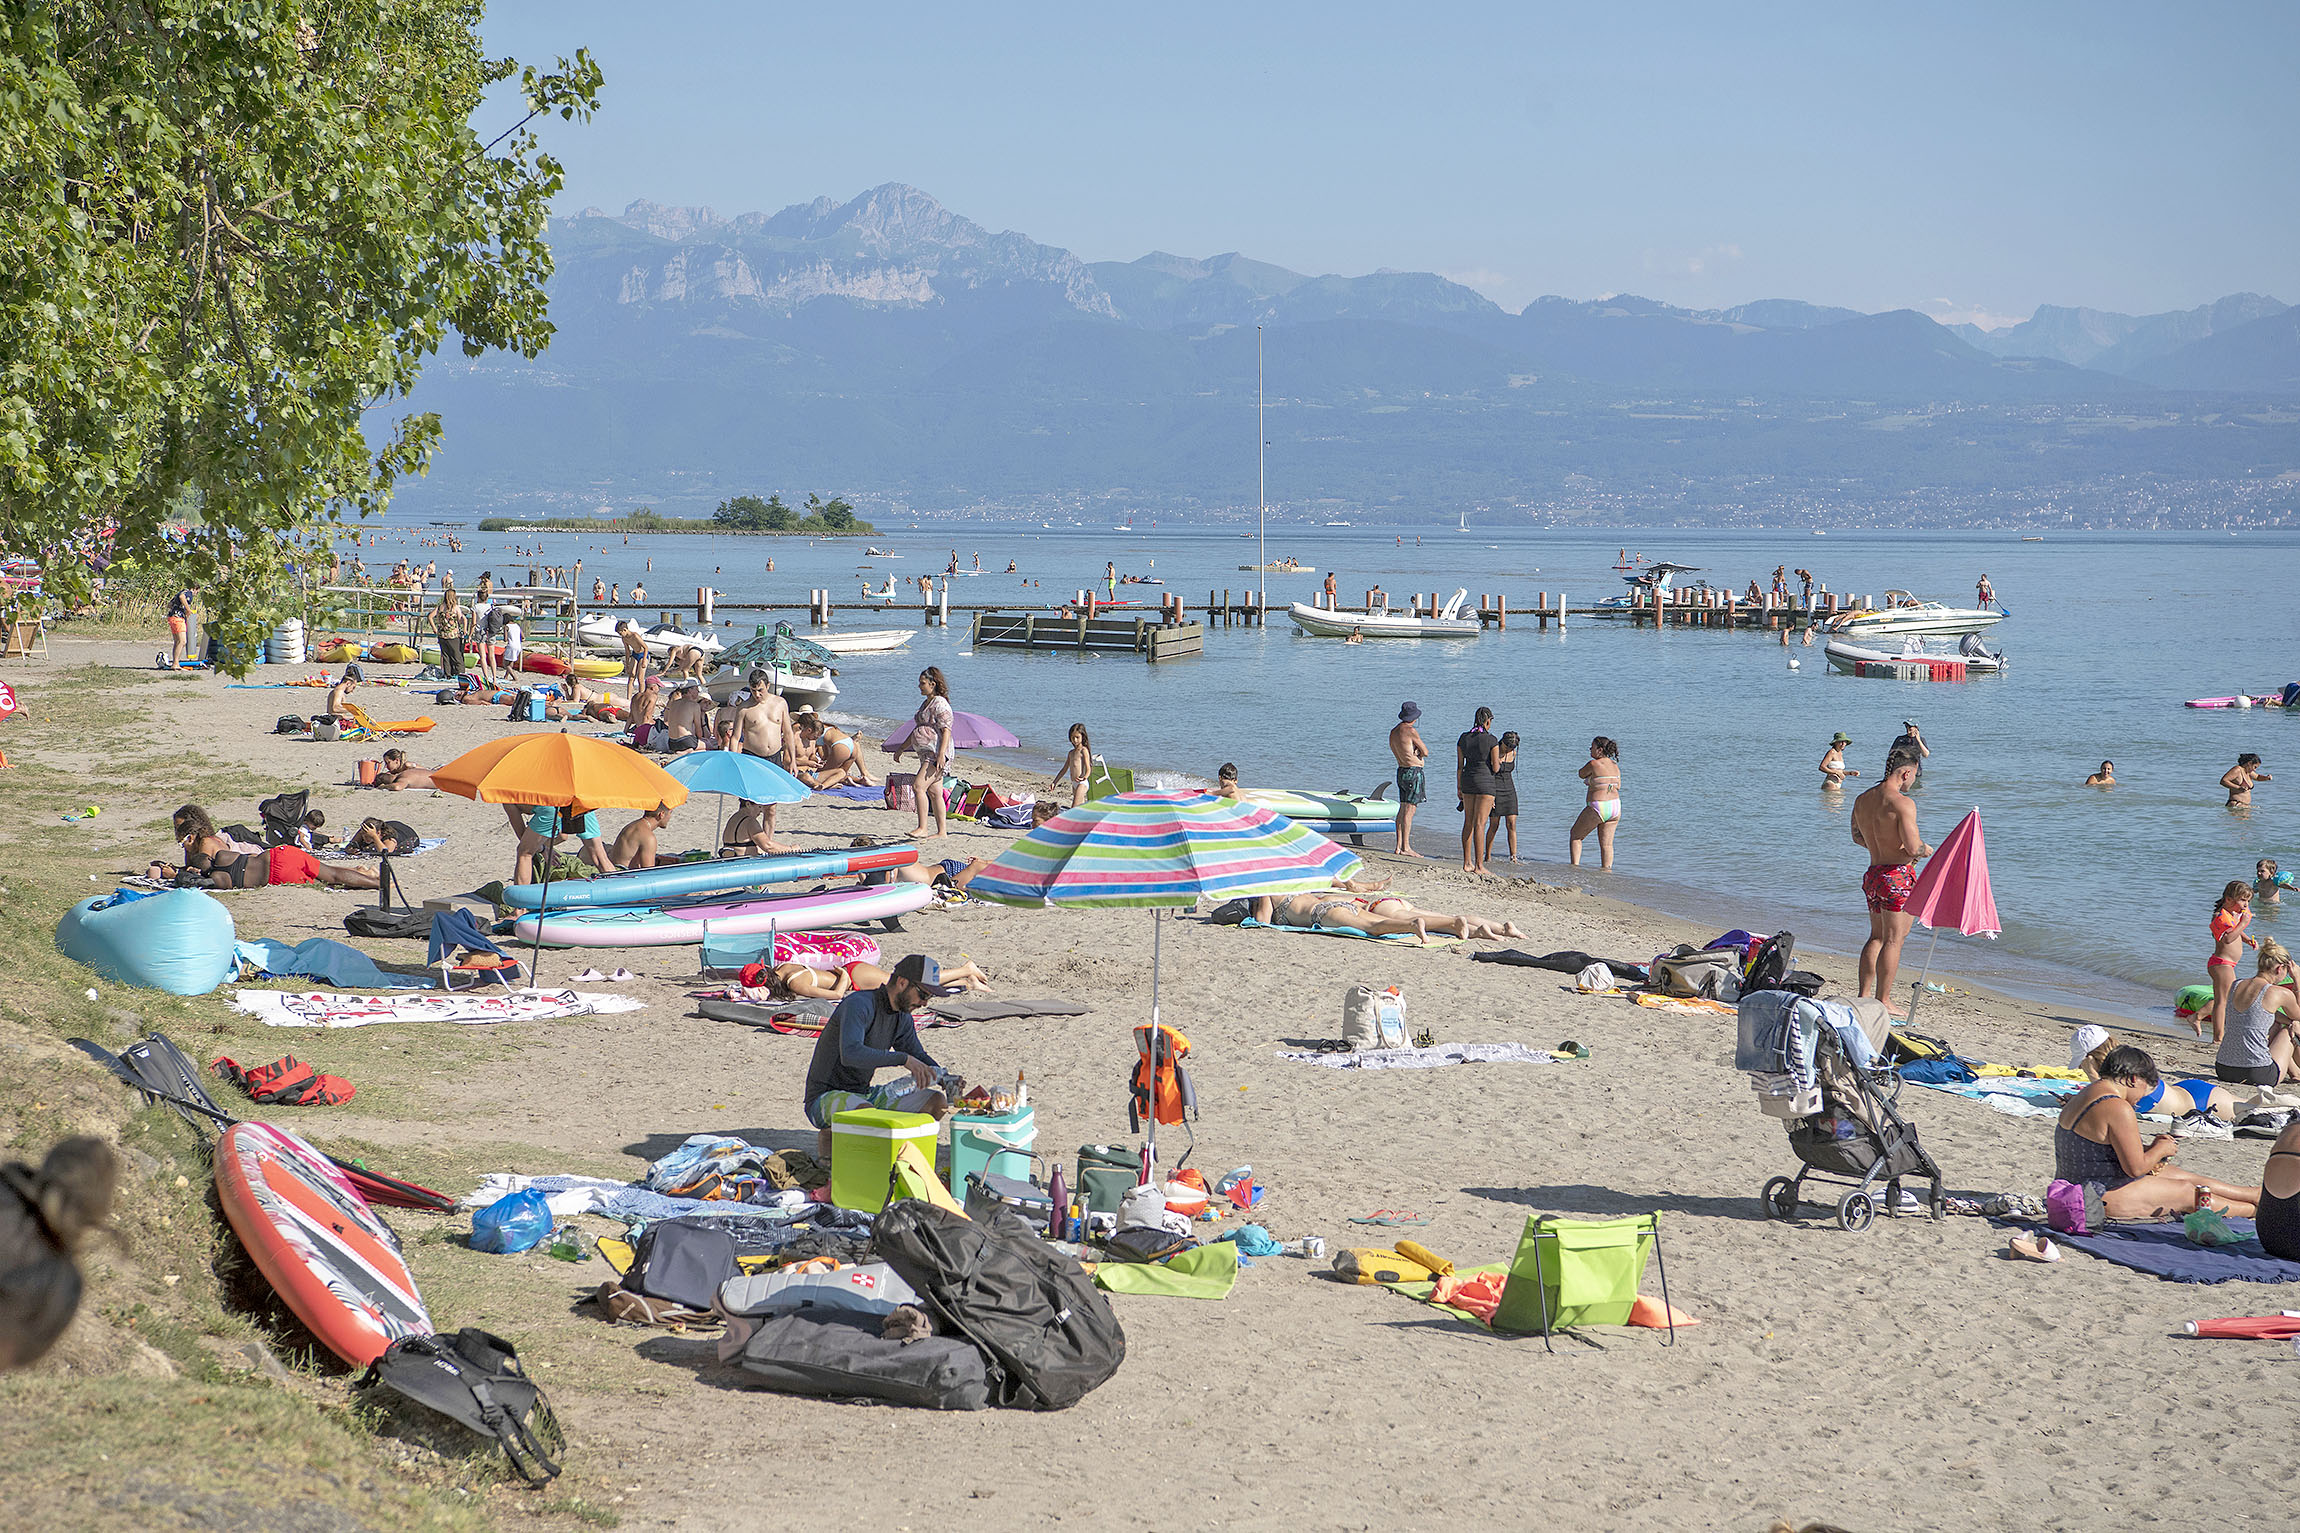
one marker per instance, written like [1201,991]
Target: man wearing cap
[1911,743]
[1833,768]
[1411,751]
[874,1030]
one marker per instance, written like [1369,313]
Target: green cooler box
[998,1146]
[864,1144]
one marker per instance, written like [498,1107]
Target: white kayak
[1316,810]
[673,925]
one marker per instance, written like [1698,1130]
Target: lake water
[2104,894]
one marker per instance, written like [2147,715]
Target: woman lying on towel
[797,982]
[2181,1099]
[2097,1145]
[1376,914]
[212,862]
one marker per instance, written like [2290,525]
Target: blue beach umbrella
[737,773]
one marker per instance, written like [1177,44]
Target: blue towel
[853,793]
[457,928]
[2165,1251]
[325,958]
[1950,1071]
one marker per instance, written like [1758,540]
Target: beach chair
[379,729]
[454,929]
[1571,1272]
[1106,779]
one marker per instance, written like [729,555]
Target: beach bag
[1048,1332]
[2071,1209]
[870,1289]
[1373,1019]
[841,1357]
[388,921]
[902,790]
[325,727]
[291,724]
[289,1082]
[1106,1173]
[686,1261]
[1015,816]
[1711,974]
[511,1223]
[1769,962]
[474,1378]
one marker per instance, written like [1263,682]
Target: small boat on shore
[1330,623]
[1914,661]
[867,642]
[799,691]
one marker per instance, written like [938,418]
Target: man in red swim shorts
[1885,826]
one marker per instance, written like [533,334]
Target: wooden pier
[1141,634]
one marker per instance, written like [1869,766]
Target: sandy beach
[1911,1376]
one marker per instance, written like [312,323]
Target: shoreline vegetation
[819,518]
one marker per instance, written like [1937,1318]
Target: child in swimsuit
[2230,916]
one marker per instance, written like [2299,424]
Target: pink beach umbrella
[1953,890]
[968,732]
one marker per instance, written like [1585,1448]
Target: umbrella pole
[1917,986]
[543,906]
[1150,1142]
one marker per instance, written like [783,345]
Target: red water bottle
[1055,1220]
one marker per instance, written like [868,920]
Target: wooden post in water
[1227,615]
[1561,612]
[1501,609]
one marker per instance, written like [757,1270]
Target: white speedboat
[1648,588]
[1904,614]
[1323,623]
[603,633]
[1914,659]
[868,642]
[813,692]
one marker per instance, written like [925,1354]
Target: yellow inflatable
[391,654]
[595,669]
[337,653]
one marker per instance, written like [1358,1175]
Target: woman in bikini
[213,862]
[2230,916]
[2183,1100]
[1602,772]
[1078,766]
[2238,780]
[2278,1216]
[797,982]
[2097,1145]
[1376,914]
[834,758]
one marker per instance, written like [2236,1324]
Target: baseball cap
[1409,712]
[1908,723]
[925,973]
[2083,1041]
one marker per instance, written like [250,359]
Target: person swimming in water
[2238,780]
[2104,778]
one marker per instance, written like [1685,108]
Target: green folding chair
[1570,1272]
[1106,779]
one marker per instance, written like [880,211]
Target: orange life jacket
[1162,1089]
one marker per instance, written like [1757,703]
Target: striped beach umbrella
[1161,851]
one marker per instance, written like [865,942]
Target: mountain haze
[893,350]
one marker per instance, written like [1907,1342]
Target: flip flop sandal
[587,977]
[2034,1248]
[1394,1218]
[622,976]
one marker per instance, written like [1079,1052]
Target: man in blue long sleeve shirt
[873,1030]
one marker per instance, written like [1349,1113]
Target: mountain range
[896,352]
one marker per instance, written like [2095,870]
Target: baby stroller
[1815,1065]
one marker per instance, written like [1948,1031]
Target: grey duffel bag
[840,1357]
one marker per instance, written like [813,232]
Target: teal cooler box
[997,1146]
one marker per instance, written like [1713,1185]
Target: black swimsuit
[235,870]
[1505,788]
[1476,775]
[2277,1220]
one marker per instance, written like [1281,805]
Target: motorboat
[799,691]
[1904,614]
[1648,588]
[1283,567]
[867,642]
[1916,659]
[879,553]
[1326,623]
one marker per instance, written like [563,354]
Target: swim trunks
[1413,785]
[177,627]
[545,822]
[1888,886]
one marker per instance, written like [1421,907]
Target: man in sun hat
[2085,1042]
[873,1030]
[1411,751]
[1833,768]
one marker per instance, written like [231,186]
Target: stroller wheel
[1779,1199]
[1857,1211]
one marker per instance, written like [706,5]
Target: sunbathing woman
[949,873]
[2097,1146]
[2181,1100]
[2229,918]
[399,774]
[797,982]
[212,862]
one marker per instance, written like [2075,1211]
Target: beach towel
[854,793]
[1434,940]
[2165,1251]
[280,1008]
[1655,1001]
[324,958]
[2015,1096]
[1433,1058]
[1202,1272]
[1571,961]
[572,1195]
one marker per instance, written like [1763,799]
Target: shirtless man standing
[757,722]
[1412,752]
[1833,768]
[1885,825]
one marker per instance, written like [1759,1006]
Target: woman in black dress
[1473,776]
[1501,756]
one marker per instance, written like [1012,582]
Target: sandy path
[1906,1377]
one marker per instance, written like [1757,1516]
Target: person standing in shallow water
[1473,779]
[1412,754]
[1602,773]
[1885,826]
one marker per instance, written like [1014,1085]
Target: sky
[1969,161]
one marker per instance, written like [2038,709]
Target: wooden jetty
[1153,636]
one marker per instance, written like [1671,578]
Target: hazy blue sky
[1972,161]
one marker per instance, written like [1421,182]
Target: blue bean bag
[179,941]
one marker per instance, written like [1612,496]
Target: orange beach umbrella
[560,771]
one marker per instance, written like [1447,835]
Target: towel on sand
[279,1008]
[1436,939]
[338,853]
[1571,961]
[1434,1058]
[2165,1251]
[853,793]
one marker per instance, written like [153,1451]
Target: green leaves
[229,238]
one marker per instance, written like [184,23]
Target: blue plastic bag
[511,1223]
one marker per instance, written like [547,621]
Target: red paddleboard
[315,1240]
[543,665]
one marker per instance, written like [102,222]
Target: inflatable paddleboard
[671,925]
[1306,807]
[315,1240]
[652,886]
[2256,700]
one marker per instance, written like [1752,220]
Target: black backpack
[1770,963]
[475,1378]
[1047,1332]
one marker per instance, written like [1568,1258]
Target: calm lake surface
[2104,893]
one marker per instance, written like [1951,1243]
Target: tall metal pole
[1262,436]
